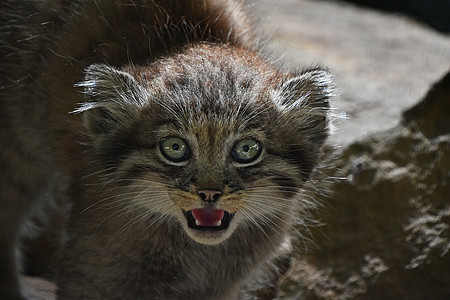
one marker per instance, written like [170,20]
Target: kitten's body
[180,70]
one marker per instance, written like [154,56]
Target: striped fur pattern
[87,113]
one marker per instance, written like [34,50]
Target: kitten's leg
[22,203]
[12,214]
[20,185]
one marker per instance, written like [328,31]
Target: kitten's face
[212,173]
[214,150]
[218,175]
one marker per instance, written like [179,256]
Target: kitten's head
[212,136]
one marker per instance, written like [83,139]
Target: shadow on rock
[387,232]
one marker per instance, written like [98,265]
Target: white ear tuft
[106,86]
[114,97]
[304,100]
[312,88]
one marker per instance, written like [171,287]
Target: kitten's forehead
[211,78]
[213,110]
[220,121]
[210,130]
[212,91]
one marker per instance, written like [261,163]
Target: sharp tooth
[197,223]
[219,223]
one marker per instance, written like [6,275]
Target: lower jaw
[208,237]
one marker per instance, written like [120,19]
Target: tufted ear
[304,99]
[113,98]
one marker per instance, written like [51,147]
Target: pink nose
[209,195]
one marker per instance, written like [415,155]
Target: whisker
[132,184]
[130,209]
[162,216]
[272,188]
[139,218]
[283,202]
[256,223]
[257,112]
[261,203]
[146,181]
[264,217]
[98,172]
[120,198]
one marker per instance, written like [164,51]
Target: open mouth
[208,219]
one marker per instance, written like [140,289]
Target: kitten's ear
[305,101]
[113,98]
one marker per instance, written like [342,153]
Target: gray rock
[387,225]
[384,63]
[386,231]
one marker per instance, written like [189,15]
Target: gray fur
[85,112]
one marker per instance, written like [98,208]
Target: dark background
[435,13]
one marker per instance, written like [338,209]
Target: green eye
[174,149]
[246,150]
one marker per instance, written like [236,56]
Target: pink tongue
[209,217]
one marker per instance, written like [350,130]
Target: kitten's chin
[208,237]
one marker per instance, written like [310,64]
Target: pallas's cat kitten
[182,152]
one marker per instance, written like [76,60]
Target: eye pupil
[246,151]
[174,149]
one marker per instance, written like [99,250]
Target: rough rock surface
[387,224]
[386,232]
